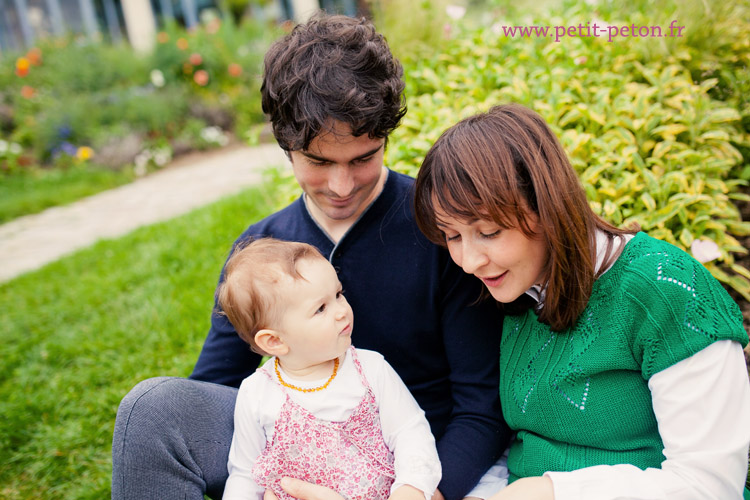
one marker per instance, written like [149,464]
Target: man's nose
[341,181]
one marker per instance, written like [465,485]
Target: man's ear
[270,341]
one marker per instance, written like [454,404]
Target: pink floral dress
[350,457]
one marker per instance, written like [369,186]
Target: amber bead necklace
[302,389]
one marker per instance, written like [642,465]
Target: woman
[621,363]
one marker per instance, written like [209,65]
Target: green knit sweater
[579,397]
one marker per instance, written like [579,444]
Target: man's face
[341,174]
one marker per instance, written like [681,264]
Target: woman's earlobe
[270,341]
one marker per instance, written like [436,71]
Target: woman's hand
[304,491]
[527,488]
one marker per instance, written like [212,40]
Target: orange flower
[182,43]
[234,70]
[195,59]
[22,66]
[34,56]
[201,77]
[162,37]
[187,68]
[27,92]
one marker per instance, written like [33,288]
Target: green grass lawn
[31,191]
[76,335]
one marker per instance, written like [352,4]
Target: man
[334,92]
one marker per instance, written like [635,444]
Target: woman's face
[506,260]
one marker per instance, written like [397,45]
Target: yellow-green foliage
[651,144]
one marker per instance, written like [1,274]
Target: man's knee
[169,401]
[172,433]
[145,402]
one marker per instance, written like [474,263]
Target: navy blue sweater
[414,306]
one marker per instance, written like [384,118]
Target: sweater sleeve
[476,435]
[225,358]
[684,310]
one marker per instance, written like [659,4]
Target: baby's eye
[339,294]
[321,309]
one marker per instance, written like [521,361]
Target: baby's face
[315,320]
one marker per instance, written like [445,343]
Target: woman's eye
[490,235]
[452,238]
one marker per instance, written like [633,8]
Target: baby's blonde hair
[247,295]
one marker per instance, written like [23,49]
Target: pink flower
[201,77]
[705,250]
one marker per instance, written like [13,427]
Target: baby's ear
[270,342]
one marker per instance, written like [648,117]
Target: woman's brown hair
[504,165]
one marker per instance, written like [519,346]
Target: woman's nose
[473,257]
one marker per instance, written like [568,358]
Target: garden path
[29,242]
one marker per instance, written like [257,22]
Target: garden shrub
[651,145]
[68,92]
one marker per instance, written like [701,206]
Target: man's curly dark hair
[331,68]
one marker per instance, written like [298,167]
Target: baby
[319,410]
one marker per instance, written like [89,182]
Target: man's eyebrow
[322,159]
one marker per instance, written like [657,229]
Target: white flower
[15,148]
[214,135]
[705,250]
[3,146]
[157,78]
[455,12]
[162,156]
[141,162]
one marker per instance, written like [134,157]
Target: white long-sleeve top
[405,428]
[702,407]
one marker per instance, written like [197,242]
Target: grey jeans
[171,440]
